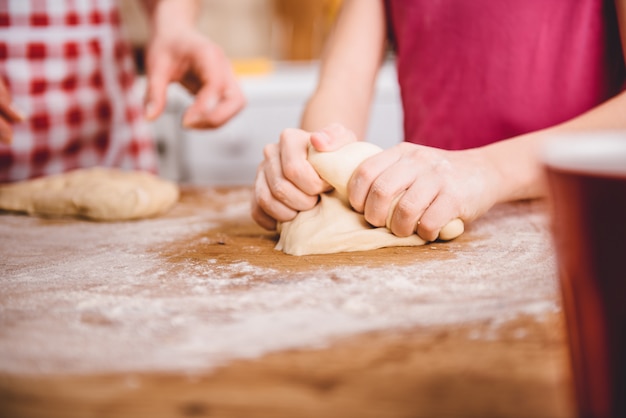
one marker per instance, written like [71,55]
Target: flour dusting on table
[82,297]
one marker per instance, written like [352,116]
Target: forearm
[330,105]
[349,66]
[517,161]
[171,15]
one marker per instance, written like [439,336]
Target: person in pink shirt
[483,84]
[66,84]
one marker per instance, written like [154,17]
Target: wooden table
[194,314]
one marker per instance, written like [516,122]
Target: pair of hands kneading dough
[332,226]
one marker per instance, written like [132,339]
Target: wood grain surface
[76,342]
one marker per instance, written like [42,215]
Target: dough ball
[101,194]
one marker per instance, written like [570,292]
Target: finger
[8,115]
[198,115]
[394,179]
[410,207]
[8,111]
[268,204]
[260,217]
[231,103]
[294,144]
[440,212]
[232,100]
[366,174]
[289,198]
[332,138]
[6,132]
[158,77]
[211,69]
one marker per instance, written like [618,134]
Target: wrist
[516,168]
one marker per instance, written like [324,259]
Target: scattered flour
[104,301]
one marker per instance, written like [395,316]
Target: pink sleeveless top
[475,72]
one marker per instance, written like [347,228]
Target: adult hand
[286,183]
[421,189]
[8,115]
[187,56]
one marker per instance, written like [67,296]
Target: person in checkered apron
[66,84]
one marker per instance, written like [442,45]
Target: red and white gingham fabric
[70,71]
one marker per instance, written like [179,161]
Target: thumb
[197,115]
[332,138]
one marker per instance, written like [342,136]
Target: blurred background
[275,46]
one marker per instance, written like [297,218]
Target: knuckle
[379,190]
[373,219]
[376,214]
[291,169]
[255,213]
[401,226]
[401,231]
[287,134]
[262,199]
[279,189]
[405,209]
[405,147]
[428,226]
[356,202]
[427,232]
[269,150]
[263,219]
[363,176]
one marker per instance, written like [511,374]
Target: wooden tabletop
[194,314]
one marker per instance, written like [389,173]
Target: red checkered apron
[70,71]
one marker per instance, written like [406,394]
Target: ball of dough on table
[101,194]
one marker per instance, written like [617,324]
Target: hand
[286,182]
[187,56]
[8,115]
[412,188]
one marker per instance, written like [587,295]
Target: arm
[177,51]
[437,186]
[349,66]
[516,159]
[286,183]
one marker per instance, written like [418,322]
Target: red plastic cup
[586,175]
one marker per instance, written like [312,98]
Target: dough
[332,226]
[101,194]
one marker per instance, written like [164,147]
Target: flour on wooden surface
[103,302]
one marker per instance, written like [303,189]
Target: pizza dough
[101,194]
[332,226]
